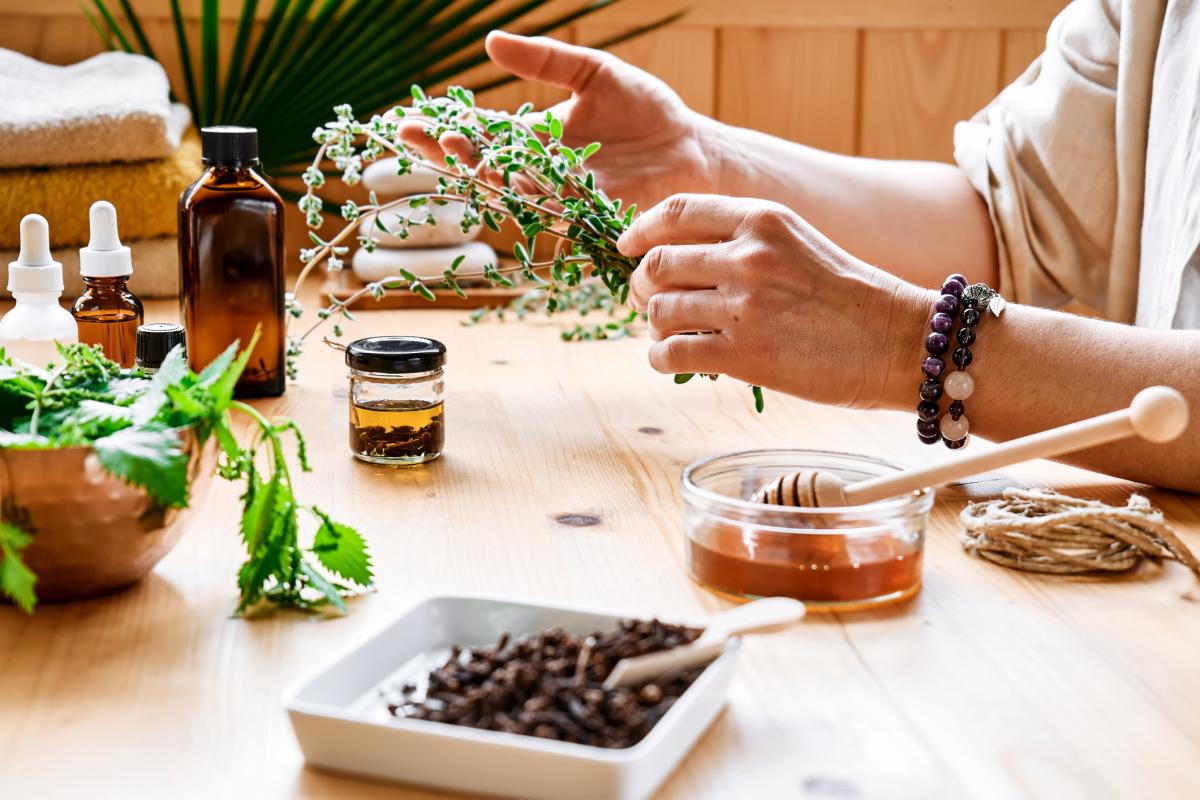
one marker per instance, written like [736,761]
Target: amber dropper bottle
[107,313]
[231,261]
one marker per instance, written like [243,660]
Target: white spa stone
[380,177]
[446,233]
[955,429]
[424,263]
[958,385]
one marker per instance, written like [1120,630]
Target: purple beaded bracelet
[955,428]
[937,342]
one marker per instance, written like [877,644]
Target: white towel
[111,107]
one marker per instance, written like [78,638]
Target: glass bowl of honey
[834,559]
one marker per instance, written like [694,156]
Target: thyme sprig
[525,173]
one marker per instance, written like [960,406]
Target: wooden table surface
[990,683]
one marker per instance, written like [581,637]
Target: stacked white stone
[429,249]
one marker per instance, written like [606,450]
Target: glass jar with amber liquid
[231,261]
[397,413]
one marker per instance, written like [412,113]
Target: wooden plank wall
[884,78]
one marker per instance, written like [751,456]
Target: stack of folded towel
[103,129]
[429,249]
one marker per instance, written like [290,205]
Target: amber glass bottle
[107,313]
[231,260]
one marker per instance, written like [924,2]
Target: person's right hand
[652,144]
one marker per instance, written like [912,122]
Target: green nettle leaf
[256,516]
[150,458]
[170,372]
[213,372]
[222,386]
[758,398]
[342,550]
[132,424]
[318,581]
[16,581]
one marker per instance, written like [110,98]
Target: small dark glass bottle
[107,313]
[231,261]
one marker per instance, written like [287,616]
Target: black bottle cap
[155,340]
[395,355]
[229,146]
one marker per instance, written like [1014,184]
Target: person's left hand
[748,289]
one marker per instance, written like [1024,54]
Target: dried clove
[550,685]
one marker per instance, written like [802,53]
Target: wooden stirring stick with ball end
[1158,414]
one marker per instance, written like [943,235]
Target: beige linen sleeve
[1043,155]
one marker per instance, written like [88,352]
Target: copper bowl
[92,533]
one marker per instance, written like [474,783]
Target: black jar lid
[156,339]
[395,355]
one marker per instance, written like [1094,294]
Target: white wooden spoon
[760,616]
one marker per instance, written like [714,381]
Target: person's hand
[651,143]
[748,289]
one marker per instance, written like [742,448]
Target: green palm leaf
[309,56]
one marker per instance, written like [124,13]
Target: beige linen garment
[1090,164]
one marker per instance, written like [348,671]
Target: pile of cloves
[550,685]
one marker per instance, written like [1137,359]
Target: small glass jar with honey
[396,399]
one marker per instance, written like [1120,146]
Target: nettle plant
[525,174]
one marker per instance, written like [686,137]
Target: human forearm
[919,220]
[1035,369]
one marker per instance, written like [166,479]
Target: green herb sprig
[525,175]
[133,423]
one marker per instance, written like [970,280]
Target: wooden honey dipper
[1158,414]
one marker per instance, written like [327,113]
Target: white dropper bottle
[29,331]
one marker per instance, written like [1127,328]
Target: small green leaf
[684,377]
[342,550]
[556,128]
[147,457]
[222,388]
[16,580]
[327,589]
[758,398]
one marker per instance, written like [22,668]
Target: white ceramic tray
[342,724]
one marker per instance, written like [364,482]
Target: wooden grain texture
[882,77]
[683,55]
[799,84]
[1021,47]
[816,13]
[917,84]
[990,684]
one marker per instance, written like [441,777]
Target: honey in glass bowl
[830,558]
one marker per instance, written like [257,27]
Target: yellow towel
[146,194]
